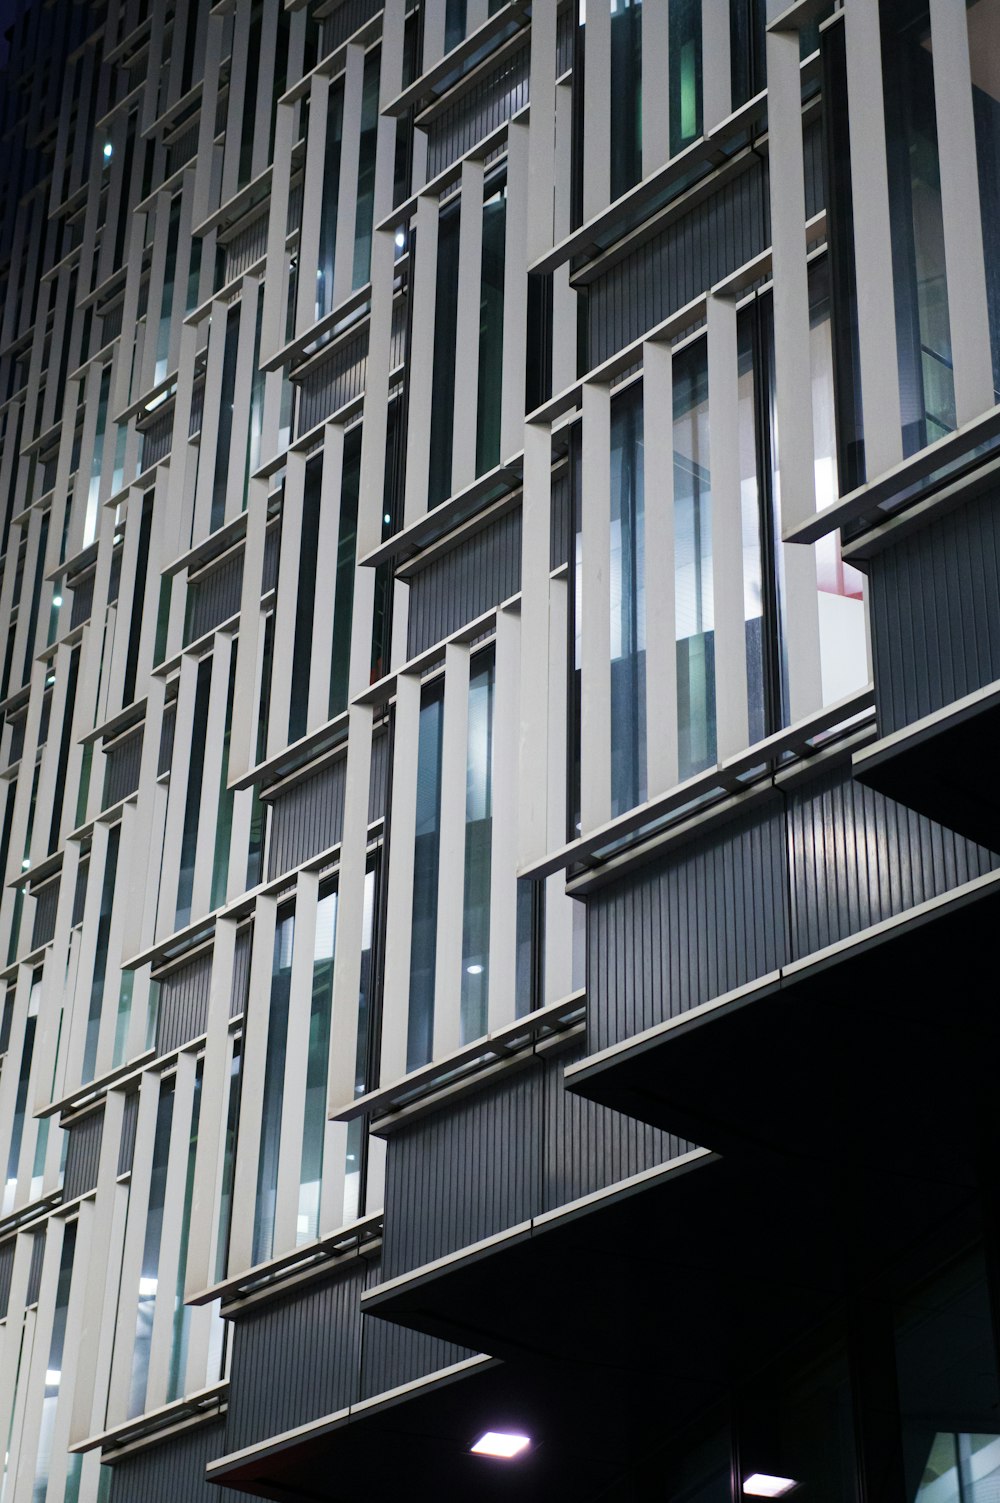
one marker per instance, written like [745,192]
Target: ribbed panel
[17,738]
[378,784]
[174,1471]
[121,768]
[130,1115]
[156,440]
[707,918]
[391,1355]
[307,819]
[83,1153]
[497,95]
[461,1175]
[690,255]
[197,409]
[345,20]
[559,521]
[166,751]
[214,597]
[935,613]
[337,381]
[813,159]
[83,601]
[111,325]
[397,337]
[295,1359]
[6,1273]
[857,858]
[241,972]
[246,247]
[80,895]
[35,1271]
[461,584]
[272,547]
[182,1013]
[565,26]
[47,901]
[588,1147]
[182,150]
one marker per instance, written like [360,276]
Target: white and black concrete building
[499,688]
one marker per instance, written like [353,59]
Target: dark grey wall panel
[121,767]
[35,1271]
[6,1273]
[17,728]
[83,1153]
[345,20]
[197,409]
[241,972]
[337,381]
[935,614]
[156,440]
[689,256]
[391,1355]
[174,1471]
[166,751]
[272,546]
[183,1008]
[708,917]
[464,582]
[499,93]
[130,1117]
[461,1175]
[246,247]
[857,858]
[45,914]
[813,158]
[378,783]
[559,521]
[307,819]
[83,600]
[295,1359]
[588,1147]
[214,597]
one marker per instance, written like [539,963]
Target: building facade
[500,572]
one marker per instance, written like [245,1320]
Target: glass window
[626,94]
[329,207]
[246,136]
[491,331]
[443,374]
[149,1275]
[182,1312]
[628,604]
[53,1371]
[454,23]
[426,860]
[347,547]
[101,955]
[305,600]
[274,1087]
[478,850]
[984,52]
[752,513]
[167,300]
[693,584]
[192,797]
[224,821]
[797,1422]
[97,461]
[747,40]
[257,384]
[366,1053]
[684,64]
[228,1164]
[21,1095]
[220,480]
[366,171]
[317,1069]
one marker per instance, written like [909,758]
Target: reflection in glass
[101,955]
[626,95]
[984,54]
[151,1251]
[317,1066]
[694,606]
[627,581]
[750,515]
[443,376]
[365,1056]
[21,1095]
[426,860]
[220,480]
[366,170]
[684,64]
[265,1205]
[53,1371]
[491,332]
[328,208]
[167,300]
[182,1312]
[478,851]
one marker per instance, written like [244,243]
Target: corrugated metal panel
[935,613]
[857,858]
[559,521]
[35,1271]
[182,150]
[462,583]
[690,255]
[272,546]
[397,337]
[707,918]
[6,1273]
[565,25]
[498,94]
[83,601]
[130,1116]
[587,1147]
[121,767]
[346,19]
[391,1355]
[246,247]
[378,784]
[307,819]
[334,383]
[182,1013]
[111,325]
[156,440]
[17,738]
[80,895]
[814,161]
[83,1153]
[45,914]
[197,409]
[458,1176]
[173,1471]
[295,1359]
[241,972]
[213,597]
[166,751]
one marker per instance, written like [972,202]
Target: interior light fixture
[762,1485]
[57,600]
[108,149]
[474,970]
[501,1443]
[400,239]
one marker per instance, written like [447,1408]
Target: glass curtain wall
[628,603]
[149,1275]
[693,582]
[426,864]
[478,850]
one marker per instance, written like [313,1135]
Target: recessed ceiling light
[762,1485]
[108,149]
[400,239]
[474,970]
[501,1443]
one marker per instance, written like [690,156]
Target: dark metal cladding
[307,819]
[83,600]
[334,383]
[172,1471]
[46,903]
[461,584]
[241,971]
[7,1250]
[121,767]
[214,597]
[35,1271]
[83,1154]
[392,1355]
[130,1117]
[166,751]
[378,783]
[497,95]
[345,19]
[246,247]
[182,1012]
[935,614]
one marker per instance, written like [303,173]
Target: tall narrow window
[443,375]
[366,1052]
[454,23]
[167,300]
[192,798]
[426,861]
[182,1311]
[984,48]
[491,331]
[97,460]
[224,822]
[626,94]
[305,599]
[220,483]
[685,81]
[747,39]
[328,208]
[149,1275]
[347,547]
[317,1069]
[751,515]
[53,1371]
[251,85]
[228,1164]
[367,141]
[21,1095]
[478,850]
[274,1086]
[695,616]
[627,604]
[101,954]
[256,425]
[36,597]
